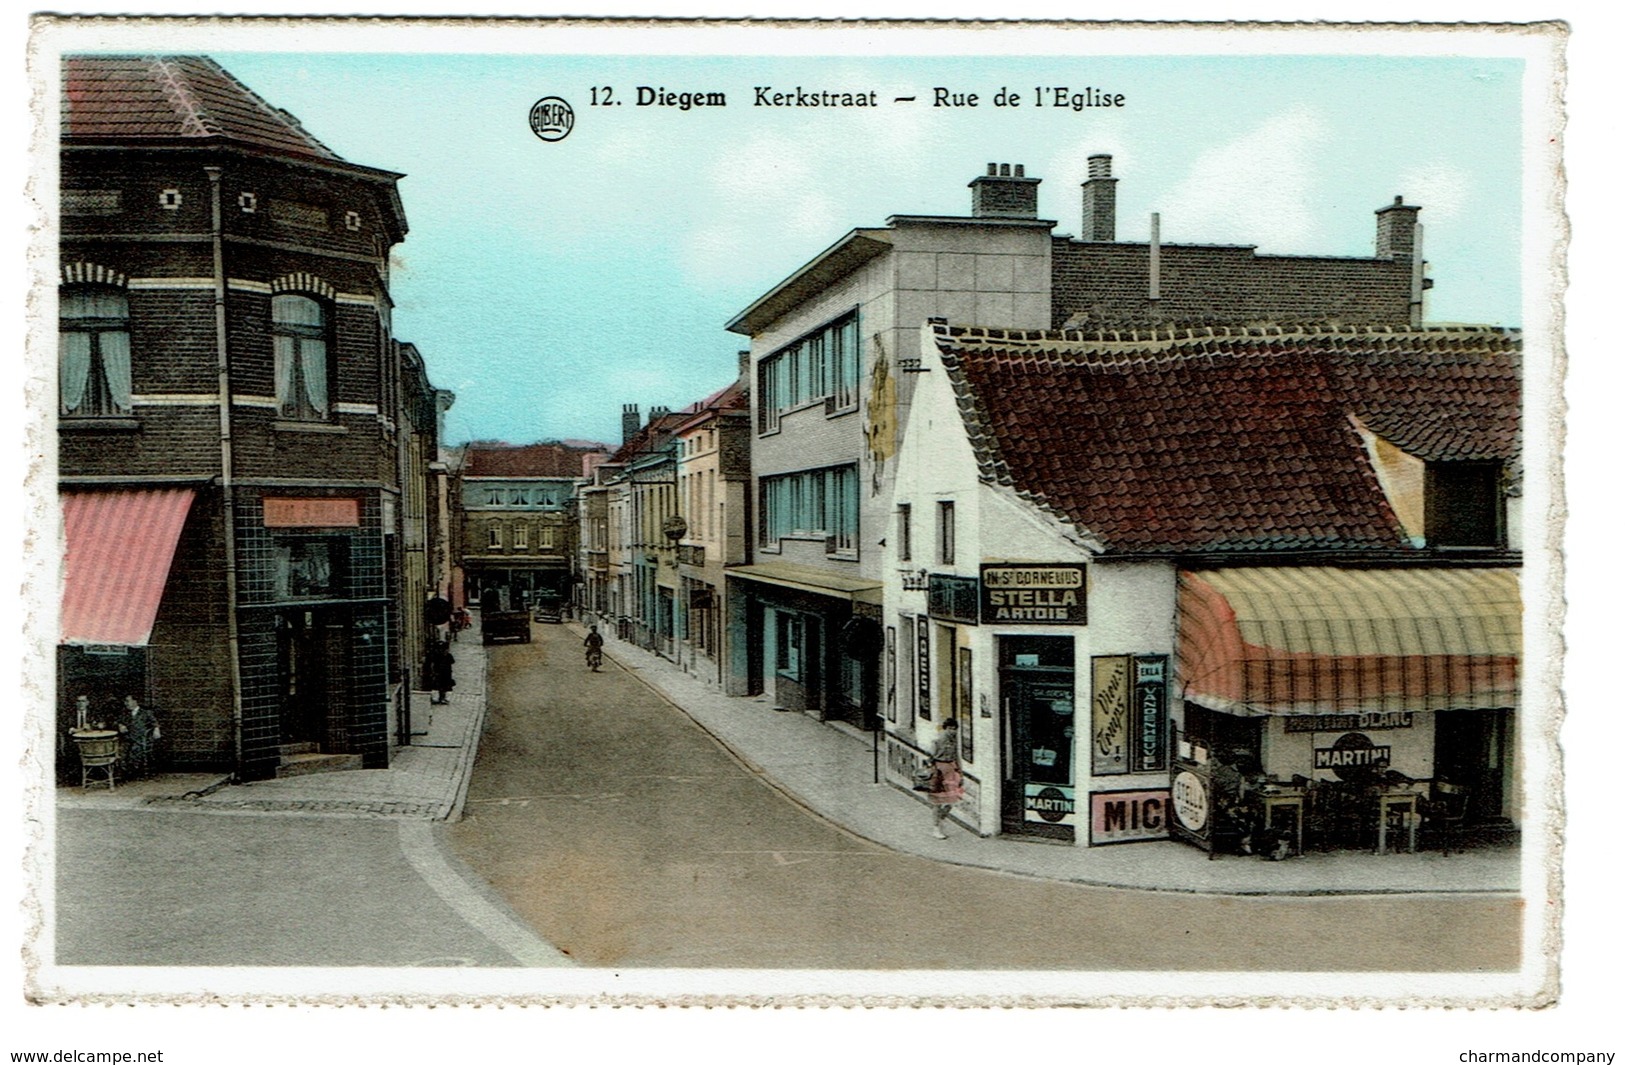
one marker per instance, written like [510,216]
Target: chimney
[1396,231]
[744,367]
[1100,201]
[1002,194]
[657,413]
[629,421]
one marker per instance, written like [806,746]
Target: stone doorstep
[295,765]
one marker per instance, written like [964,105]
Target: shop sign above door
[311,513]
[1044,593]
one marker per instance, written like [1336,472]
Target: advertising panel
[1109,715]
[1047,593]
[1128,816]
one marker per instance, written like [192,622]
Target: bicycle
[595,658]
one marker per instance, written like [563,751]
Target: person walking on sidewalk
[948,783]
[594,643]
[437,671]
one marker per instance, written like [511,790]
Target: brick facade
[317,663]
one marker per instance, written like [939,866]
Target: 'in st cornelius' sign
[1040,593]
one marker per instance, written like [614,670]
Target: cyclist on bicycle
[594,643]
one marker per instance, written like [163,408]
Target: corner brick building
[230,421]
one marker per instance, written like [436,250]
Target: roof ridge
[178,91]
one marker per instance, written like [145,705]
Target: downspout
[227,490]
[1154,293]
[1418,273]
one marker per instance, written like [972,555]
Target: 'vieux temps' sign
[1042,593]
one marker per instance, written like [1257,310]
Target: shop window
[94,355]
[1464,504]
[310,567]
[945,532]
[302,357]
[789,646]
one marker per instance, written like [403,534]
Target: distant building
[713,496]
[516,516]
[1211,582]
[230,423]
[835,362]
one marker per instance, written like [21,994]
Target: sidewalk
[427,780]
[830,770]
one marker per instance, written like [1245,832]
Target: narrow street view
[625,835]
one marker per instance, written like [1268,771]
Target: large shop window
[812,504]
[300,343]
[311,567]
[821,366]
[95,352]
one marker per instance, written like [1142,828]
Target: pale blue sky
[548,283]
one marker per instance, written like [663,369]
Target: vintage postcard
[892,513]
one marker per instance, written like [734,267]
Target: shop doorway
[312,649]
[1038,796]
[1471,750]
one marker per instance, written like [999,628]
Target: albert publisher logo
[551,118]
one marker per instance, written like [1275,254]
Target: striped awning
[1316,640]
[119,547]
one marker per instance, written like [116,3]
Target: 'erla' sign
[1040,593]
[323,512]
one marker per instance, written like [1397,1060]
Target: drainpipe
[1155,286]
[227,490]
[1418,270]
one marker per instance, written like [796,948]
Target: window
[905,532]
[494,537]
[1463,504]
[299,341]
[310,567]
[812,504]
[789,646]
[546,537]
[95,352]
[823,365]
[945,532]
[521,537]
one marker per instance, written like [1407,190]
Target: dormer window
[1464,505]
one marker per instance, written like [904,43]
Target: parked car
[550,611]
[505,625]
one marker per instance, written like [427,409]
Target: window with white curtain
[94,359]
[299,341]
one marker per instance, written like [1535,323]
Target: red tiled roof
[136,98]
[1229,439]
[531,460]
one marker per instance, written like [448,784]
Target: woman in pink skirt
[948,785]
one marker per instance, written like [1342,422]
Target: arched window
[95,352]
[299,338]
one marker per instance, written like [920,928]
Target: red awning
[1317,640]
[119,545]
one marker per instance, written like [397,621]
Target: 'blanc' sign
[1041,593]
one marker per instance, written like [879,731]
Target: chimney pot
[1001,194]
[1396,231]
[1100,201]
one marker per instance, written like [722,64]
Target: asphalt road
[626,836]
[173,888]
